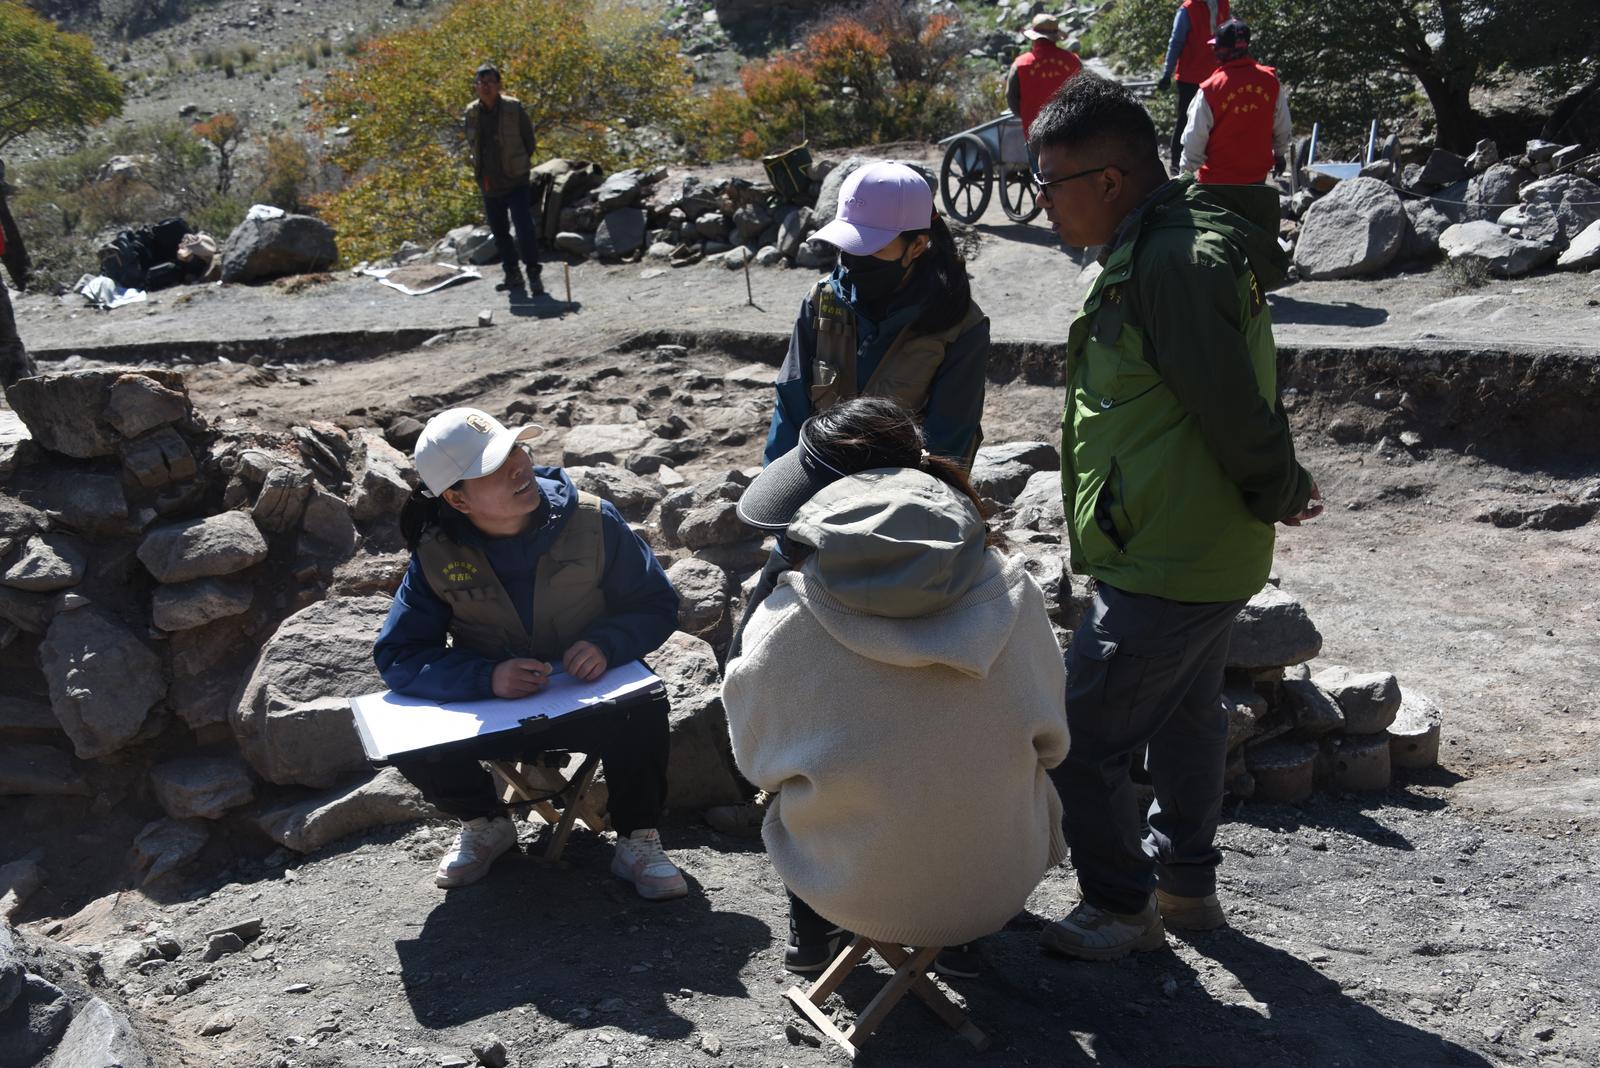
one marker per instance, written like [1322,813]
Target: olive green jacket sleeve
[1189,302]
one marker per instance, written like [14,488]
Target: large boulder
[620,233]
[259,249]
[1583,253]
[1444,168]
[103,680]
[381,478]
[70,412]
[793,228]
[634,495]
[100,1037]
[1426,223]
[198,548]
[186,605]
[1486,195]
[308,825]
[704,591]
[700,767]
[1500,253]
[292,718]
[1000,472]
[47,562]
[620,190]
[714,525]
[37,1017]
[201,787]
[1273,630]
[603,443]
[1554,210]
[1369,700]
[1355,230]
[166,846]
[1039,505]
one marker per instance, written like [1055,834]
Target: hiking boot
[477,845]
[640,860]
[1190,913]
[1092,933]
[535,284]
[513,281]
[740,821]
[959,962]
[813,943]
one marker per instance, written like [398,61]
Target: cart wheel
[1019,197]
[967,178]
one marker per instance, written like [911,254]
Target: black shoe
[513,282]
[959,962]
[535,285]
[810,955]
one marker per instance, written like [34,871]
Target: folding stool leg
[936,1000]
[809,1001]
[572,794]
[904,979]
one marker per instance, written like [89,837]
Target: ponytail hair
[949,293]
[873,432]
[419,513]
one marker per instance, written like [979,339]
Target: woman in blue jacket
[895,319]
[514,576]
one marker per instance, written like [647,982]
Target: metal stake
[566,274]
[749,295]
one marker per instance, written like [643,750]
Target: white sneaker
[477,845]
[640,860]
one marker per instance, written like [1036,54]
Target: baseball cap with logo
[464,443]
[877,204]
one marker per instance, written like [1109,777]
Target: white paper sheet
[391,724]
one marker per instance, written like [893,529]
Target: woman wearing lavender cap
[894,319]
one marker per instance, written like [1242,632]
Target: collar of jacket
[557,499]
[1116,260]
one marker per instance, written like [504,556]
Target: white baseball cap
[464,443]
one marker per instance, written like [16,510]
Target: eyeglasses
[1044,186]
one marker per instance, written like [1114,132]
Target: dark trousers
[514,209]
[631,740]
[1144,680]
[1186,92]
[15,363]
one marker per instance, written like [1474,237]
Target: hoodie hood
[900,573]
[1245,214]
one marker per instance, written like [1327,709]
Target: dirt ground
[1449,921]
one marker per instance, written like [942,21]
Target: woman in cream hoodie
[900,690]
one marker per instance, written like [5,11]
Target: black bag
[164,238]
[163,275]
[123,258]
[787,173]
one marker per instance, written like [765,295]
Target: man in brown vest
[515,576]
[500,141]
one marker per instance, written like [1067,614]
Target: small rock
[1361,762]
[798,1035]
[297,988]
[220,945]
[1414,734]
[490,1051]
[167,845]
[186,605]
[47,562]
[217,1024]
[201,787]
[1313,710]
[1369,701]
[711,1044]
[1273,630]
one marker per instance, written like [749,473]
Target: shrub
[587,84]
[222,132]
[285,172]
[885,71]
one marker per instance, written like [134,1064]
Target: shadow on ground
[1334,313]
[576,945]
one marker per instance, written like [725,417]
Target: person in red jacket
[1238,129]
[1190,58]
[1036,74]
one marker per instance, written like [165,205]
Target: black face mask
[873,280]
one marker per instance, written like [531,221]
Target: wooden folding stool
[541,784]
[910,975]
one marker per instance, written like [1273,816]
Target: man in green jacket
[1177,462]
[500,142]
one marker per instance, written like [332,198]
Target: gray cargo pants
[1144,681]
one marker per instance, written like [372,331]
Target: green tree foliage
[589,78]
[1348,62]
[50,81]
